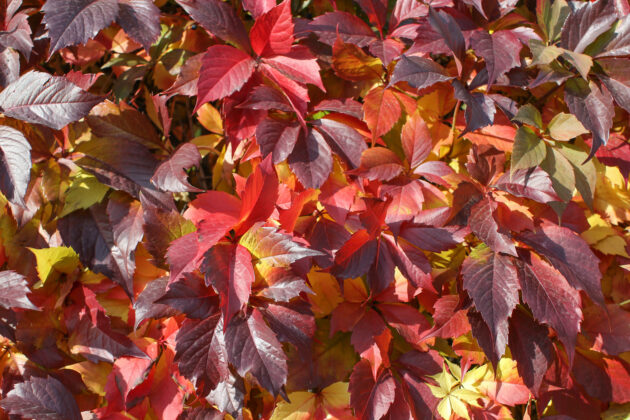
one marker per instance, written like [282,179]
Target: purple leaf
[16,31]
[620,43]
[484,225]
[419,72]
[141,20]
[15,164]
[229,395]
[252,347]
[9,67]
[569,254]
[201,353]
[293,322]
[311,160]
[349,28]
[492,283]
[593,107]
[500,50]
[449,30]
[534,184]
[432,239]
[344,140]
[72,22]
[267,98]
[41,398]
[41,98]
[145,305]
[617,79]
[480,108]
[219,18]
[190,296]
[551,298]
[13,291]
[585,24]
[170,175]
[277,137]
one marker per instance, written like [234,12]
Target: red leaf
[379,163]
[344,140]
[214,213]
[371,397]
[41,398]
[224,70]
[356,255]
[569,254]
[416,140]
[228,268]
[170,175]
[253,348]
[551,299]
[298,64]
[381,110]
[272,32]
[259,197]
[258,7]
[609,328]
[492,283]
[376,10]
[483,224]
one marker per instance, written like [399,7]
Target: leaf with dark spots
[13,291]
[531,348]
[224,70]
[72,22]
[592,107]
[15,164]
[228,268]
[570,255]
[219,18]
[252,347]
[551,298]
[534,184]
[419,72]
[500,50]
[191,297]
[371,398]
[41,98]
[449,30]
[356,255]
[145,306]
[170,175]
[483,224]
[311,159]
[201,352]
[491,281]
[344,140]
[41,398]
[586,23]
[141,20]
[349,27]
[480,108]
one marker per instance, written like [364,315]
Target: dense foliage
[322,209]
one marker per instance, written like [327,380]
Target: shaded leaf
[268,246]
[529,150]
[311,160]
[500,50]
[586,23]
[141,20]
[13,291]
[15,164]
[533,184]
[419,72]
[480,108]
[483,224]
[41,398]
[370,397]
[170,175]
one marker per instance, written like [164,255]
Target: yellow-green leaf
[55,260]
[84,191]
[564,127]
[529,150]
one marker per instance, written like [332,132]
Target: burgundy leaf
[16,30]
[201,352]
[344,140]
[481,332]
[406,9]
[421,400]
[41,398]
[608,327]
[483,224]
[266,98]
[480,108]
[346,106]
[534,184]
[72,22]
[293,323]
[252,347]
[551,299]
[500,50]
[376,10]
[224,70]
[41,98]
[299,64]
[492,283]
[371,398]
[15,164]
[190,296]
[620,43]
[229,270]
[592,106]
[570,255]
[219,18]
[617,80]
[351,29]
[186,81]
[379,163]
[277,138]
[258,7]
[141,20]
[431,238]
[586,23]
[531,348]
[419,72]
[327,237]
[356,255]
[145,306]
[272,32]
[9,67]
[381,273]
[447,27]
[13,291]
[170,175]
[311,160]
[229,395]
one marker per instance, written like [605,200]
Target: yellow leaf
[210,118]
[207,143]
[334,400]
[617,412]
[301,407]
[604,237]
[59,259]
[327,294]
[84,191]
[94,375]
[564,127]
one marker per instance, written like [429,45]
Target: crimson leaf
[41,398]
[41,98]
[272,32]
[371,398]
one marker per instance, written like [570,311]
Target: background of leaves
[321,209]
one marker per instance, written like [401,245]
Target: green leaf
[528,114]
[543,54]
[564,127]
[529,150]
[585,172]
[581,62]
[561,173]
[551,16]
